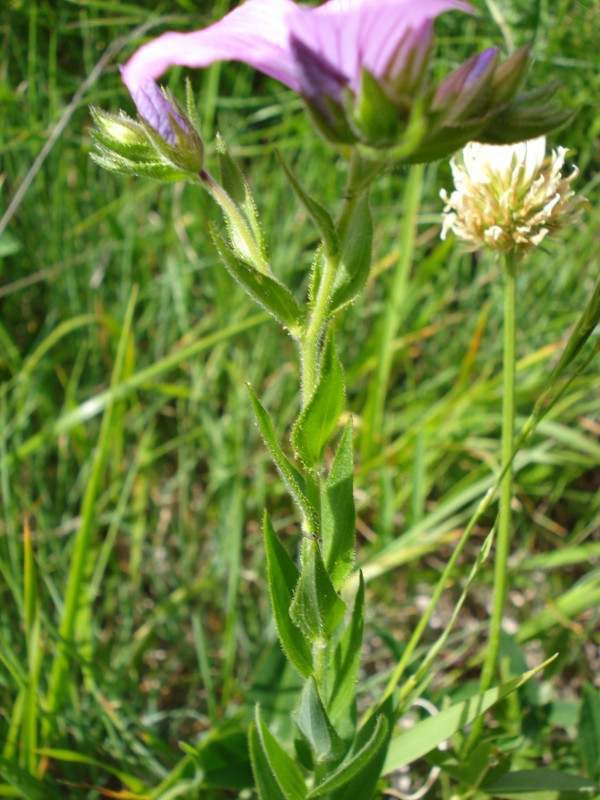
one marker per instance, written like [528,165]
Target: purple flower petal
[255,33]
[365,33]
[154,107]
[345,34]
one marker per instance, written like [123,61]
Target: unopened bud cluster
[401,115]
[163,143]
[509,198]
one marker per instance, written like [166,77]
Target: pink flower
[301,47]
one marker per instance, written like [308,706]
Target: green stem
[505,513]
[311,339]
[239,231]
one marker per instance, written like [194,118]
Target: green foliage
[588,737]
[316,423]
[283,578]
[175,641]
[316,608]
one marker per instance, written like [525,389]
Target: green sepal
[157,170]
[338,515]
[355,260]
[528,116]
[319,417]
[312,720]
[121,134]
[319,215]
[283,577]
[265,289]
[291,476]
[237,187]
[375,114]
[316,608]
[355,776]
[267,754]
[345,661]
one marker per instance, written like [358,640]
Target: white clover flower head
[508,197]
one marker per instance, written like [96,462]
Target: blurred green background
[175,626]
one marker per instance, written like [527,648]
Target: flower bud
[163,144]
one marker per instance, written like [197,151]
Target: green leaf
[354,768]
[355,261]
[429,734]
[283,577]
[291,476]
[237,187]
[318,419]
[266,290]
[543,784]
[29,786]
[286,773]
[223,756]
[338,516]
[589,731]
[316,608]
[346,660]
[318,214]
[311,718]
[266,783]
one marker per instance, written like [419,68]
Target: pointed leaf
[355,261]
[318,214]
[316,608]
[311,718]
[589,731]
[319,418]
[338,516]
[429,734]
[286,773]
[543,784]
[266,784]
[291,476]
[356,767]
[346,660]
[283,577]
[270,293]
[237,187]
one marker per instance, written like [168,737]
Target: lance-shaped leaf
[266,783]
[543,784]
[338,516]
[345,662]
[286,779]
[283,576]
[316,608]
[355,260]
[319,215]
[265,289]
[355,776]
[318,419]
[291,476]
[311,718]
[236,186]
[589,731]
[430,733]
